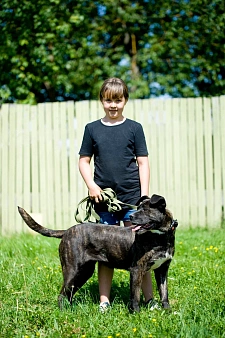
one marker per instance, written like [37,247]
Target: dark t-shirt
[115,149]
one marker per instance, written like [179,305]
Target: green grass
[31,279]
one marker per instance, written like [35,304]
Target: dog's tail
[39,228]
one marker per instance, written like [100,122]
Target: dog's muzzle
[174,224]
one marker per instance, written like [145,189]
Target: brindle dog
[147,245]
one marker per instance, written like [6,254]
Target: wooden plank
[96,110]
[57,161]
[42,158]
[201,200]
[222,135]
[217,152]
[64,164]
[138,111]
[176,155]
[49,163]
[82,118]
[192,163]
[147,119]
[100,110]
[35,162]
[142,114]
[73,161]
[5,226]
[19,163]
[161,147]
[153,148]
[129,110]
[169,154]
[146,127]
[185,201]
[208,161]
[26,159]
[12,207]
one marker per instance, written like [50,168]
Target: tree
[61,50]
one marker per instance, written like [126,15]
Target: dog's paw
[166,306]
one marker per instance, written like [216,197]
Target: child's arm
[144,174]
[85,170]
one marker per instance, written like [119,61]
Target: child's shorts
[114,218]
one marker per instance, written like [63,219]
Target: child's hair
[113,88]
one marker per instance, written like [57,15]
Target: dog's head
[152,215]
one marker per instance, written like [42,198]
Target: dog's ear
[158,202]
[145,197]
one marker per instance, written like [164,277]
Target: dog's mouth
[142,227]
[154,227]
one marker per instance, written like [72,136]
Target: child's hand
[95,193]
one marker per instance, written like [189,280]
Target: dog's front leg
[161,280]
[136,277]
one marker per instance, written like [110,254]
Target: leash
[86,206]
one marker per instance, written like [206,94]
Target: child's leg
[147,279]
[105,276]
[147,286]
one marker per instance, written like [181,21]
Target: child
[121,163]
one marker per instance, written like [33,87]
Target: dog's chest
[159,261]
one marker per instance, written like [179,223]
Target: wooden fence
[39,148]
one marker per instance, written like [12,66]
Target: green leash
[87,206]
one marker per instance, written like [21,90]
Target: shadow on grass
[120,293]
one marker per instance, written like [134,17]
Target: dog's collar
[157,232]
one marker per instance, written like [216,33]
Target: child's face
[114,107]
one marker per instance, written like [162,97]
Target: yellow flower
[118,334]
[83,336]
[150,336]
[134,329]
[154,320]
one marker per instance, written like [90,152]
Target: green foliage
[31,279]
[60,50]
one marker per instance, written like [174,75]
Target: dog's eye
[142,206]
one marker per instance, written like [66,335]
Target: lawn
[31,280]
